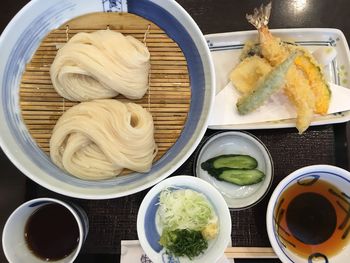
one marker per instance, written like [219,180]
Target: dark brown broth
[52,232]
[312,218]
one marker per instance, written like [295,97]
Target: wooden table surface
[212,16]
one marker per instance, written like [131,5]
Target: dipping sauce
[312,218]
[52,232]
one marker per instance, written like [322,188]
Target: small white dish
[236,142]
[148,230]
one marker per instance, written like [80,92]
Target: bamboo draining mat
[168,98]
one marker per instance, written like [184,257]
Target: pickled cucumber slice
[235,161]
[241,177]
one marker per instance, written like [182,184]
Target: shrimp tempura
[275,51]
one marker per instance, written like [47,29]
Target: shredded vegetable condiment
[188,221]
[184,242]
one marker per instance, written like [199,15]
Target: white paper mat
[276,108]
[132,252]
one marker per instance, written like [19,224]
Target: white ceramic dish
[235,142]
[148,231]
[20,40]
[226,47]
[306,177]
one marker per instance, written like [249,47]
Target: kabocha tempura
[304,82]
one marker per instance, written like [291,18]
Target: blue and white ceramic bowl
[148,229]
[13,238]
[22,37]
[335,196]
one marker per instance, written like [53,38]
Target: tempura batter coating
[306,90]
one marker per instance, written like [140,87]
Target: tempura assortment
[265,67]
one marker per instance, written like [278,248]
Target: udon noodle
[101,65]
[98,139]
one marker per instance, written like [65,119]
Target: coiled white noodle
[97,139]
[101,65]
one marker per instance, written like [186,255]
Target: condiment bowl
[308,215]
[20,40]
[240,143]
[15,236]
[148,228]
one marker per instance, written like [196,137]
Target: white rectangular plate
[226,48]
